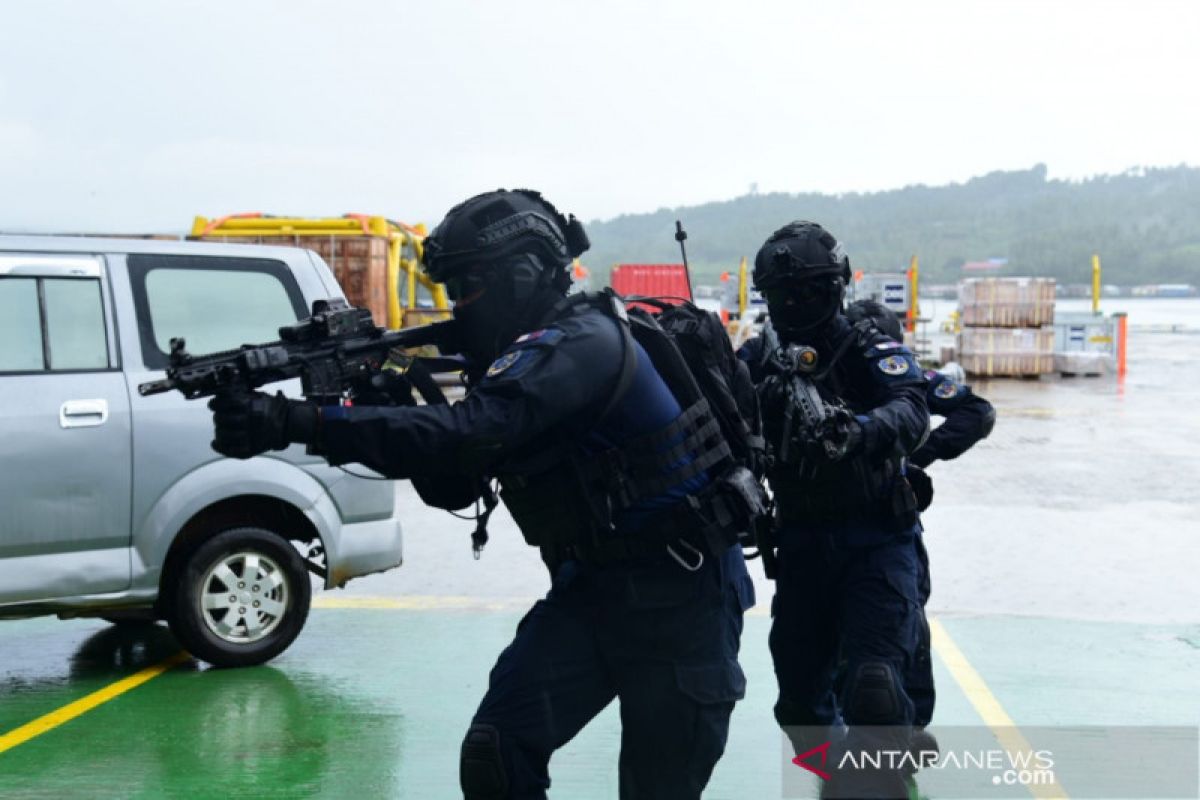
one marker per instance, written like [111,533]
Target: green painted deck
[372,703]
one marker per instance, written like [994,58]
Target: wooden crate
[996,351]
[364,280]
[1007,302]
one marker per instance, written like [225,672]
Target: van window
[75,324]
[214,303]
[52,324]
[20,326]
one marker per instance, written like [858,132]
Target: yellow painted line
[449,603]
[985,703]
[85,704]
[423,603]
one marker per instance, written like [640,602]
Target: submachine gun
[338,353]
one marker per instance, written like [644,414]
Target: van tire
[241,598]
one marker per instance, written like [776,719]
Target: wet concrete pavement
[1065,550]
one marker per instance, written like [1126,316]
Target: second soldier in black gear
[967,419]
[606,474]
[846,520]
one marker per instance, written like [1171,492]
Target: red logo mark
[823,750]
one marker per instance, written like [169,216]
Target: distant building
[1165,290]
[991,265]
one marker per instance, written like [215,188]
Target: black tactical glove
[842,436]
[386,388]
[921,484]
[772,396]
[251,423]
[923,457]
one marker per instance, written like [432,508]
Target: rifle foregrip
[155,387]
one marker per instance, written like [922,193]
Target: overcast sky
[135,116]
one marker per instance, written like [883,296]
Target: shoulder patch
[502,363]
[883,347]
[893,365]
[946,389]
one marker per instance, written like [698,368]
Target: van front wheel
[241,599]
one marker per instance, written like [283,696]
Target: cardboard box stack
[1007,326]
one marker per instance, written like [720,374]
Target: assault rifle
[812,426]
[813,431]
[337,352]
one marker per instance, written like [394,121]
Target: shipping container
[1084,343]
[668,281]
[892,290]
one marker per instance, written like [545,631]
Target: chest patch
[893,365]
[543,336]
[946,389]
[533,336]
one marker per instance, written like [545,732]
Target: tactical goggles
[797,292]
[463,285]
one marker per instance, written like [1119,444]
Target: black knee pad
[873,698]
[481,770]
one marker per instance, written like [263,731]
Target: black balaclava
[502,300]
[801,310]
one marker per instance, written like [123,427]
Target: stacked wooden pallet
[1007,326]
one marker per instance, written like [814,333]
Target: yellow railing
[403,253]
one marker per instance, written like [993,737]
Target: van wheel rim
[243,597]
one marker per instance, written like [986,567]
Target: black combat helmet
[884,318]
[802,272]
[494,226]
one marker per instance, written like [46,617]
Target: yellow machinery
[739,327]
[368,254]
[914,307]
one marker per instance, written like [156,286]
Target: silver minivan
[113,504]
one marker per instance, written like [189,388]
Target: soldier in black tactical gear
[843,404]
[967,419]
[603,469]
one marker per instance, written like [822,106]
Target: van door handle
[83,413]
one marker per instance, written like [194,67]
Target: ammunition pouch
[843,492]
[568,509]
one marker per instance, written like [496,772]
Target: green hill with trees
[1144,223]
